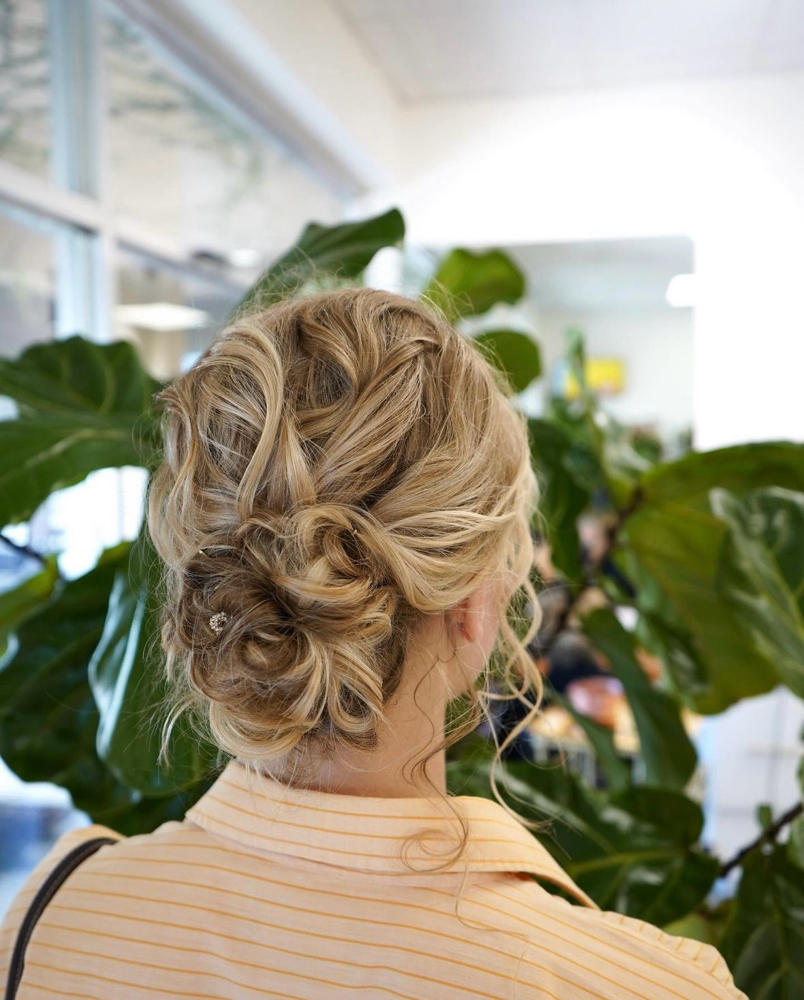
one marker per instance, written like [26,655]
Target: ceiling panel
[781,45]
[463,48]
[633,41]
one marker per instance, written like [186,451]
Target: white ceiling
[463,48]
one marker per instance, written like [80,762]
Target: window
[25,122]
[185,160]
[28,255]
[169,313]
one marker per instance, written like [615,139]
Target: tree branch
[793,813]
[23,549]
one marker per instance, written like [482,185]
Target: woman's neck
[413,732]
[373,776]
[409,735]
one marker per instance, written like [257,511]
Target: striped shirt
[269,891]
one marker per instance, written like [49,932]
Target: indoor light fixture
[162,316]
[681,291]
[245,257]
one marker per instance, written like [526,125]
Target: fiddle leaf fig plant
[342,251]
[759,574]
[703,564]
[468,284]
[82,407]
[618,846]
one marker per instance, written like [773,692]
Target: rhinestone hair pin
[218,621]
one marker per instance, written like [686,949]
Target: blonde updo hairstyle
[337,468]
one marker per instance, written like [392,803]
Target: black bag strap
[45,893]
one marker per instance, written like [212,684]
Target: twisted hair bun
[337,468]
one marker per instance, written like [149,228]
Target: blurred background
[641,161]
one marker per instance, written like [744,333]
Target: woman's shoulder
[599,952]
[59,851]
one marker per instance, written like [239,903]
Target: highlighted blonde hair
[337,468]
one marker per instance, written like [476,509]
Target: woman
[344,514]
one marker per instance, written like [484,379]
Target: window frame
[78,191]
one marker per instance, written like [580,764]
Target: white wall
[721,161]
[657,351]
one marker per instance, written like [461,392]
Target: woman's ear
[473,616]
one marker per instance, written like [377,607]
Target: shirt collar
[370,834]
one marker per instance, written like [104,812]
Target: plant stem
[792,813]
[23,549]
[633,505]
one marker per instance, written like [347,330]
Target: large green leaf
[562,497]
[763,943]
[632,851]
[514,353]
[685,673]
[679,548]
[45,453]
[468,284]
[343,250]
[705,923]
[24,600]
[761,574]
[126,674]
[76,376]
[48,717]
[660,630]
[83,406]
[740,469]
[666,748]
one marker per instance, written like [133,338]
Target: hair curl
[336,469]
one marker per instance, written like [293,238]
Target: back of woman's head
[337,469]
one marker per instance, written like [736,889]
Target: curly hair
[337,468]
